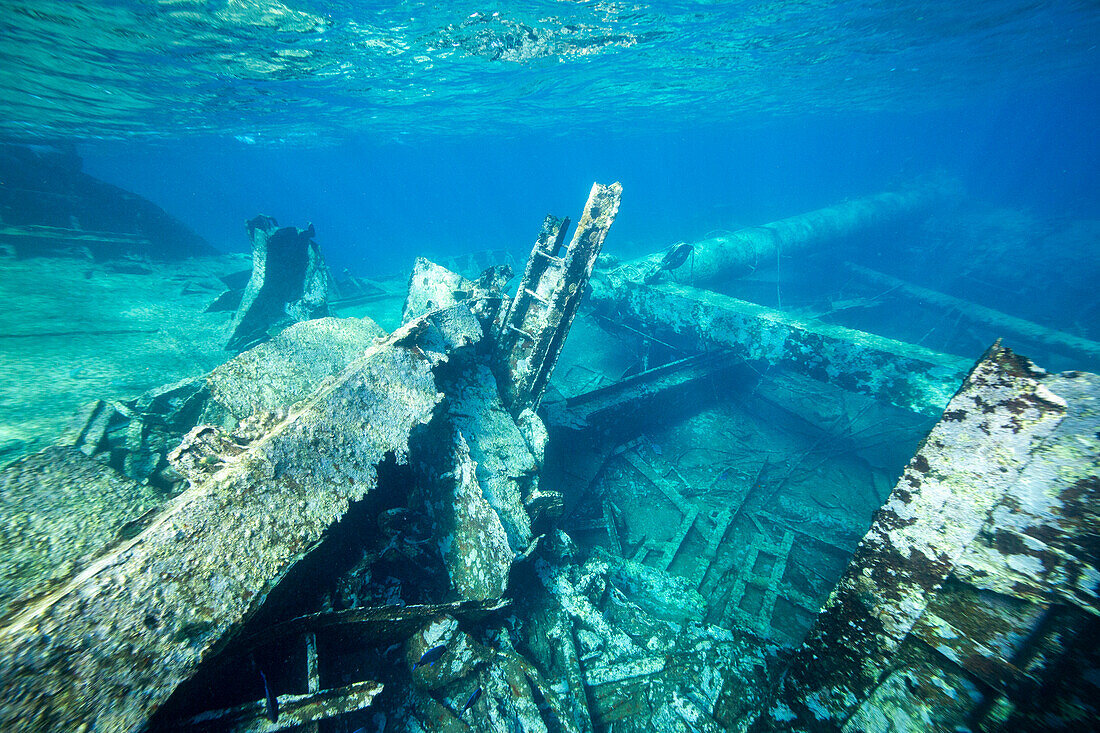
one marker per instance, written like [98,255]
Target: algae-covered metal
[45,542]
[289,283]
[532,332]
[977,577]
[108,647]
[907,375]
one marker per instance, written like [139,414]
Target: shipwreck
[695,513]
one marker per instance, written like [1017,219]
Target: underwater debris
[61,510]
[468,516]
[618,402]
[50,207]
[975,574]
[389,622]
[287,368]
[250,391]
[1059,341]
[294,711]
[533,329]
[627,640]
[189,567]
[289,283]
[907,375]
[183,579]
[433,286]
[472,265]
[466,603]
[743,250]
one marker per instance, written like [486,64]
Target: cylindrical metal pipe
[718,257]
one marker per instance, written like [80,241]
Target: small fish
[271,703]
[430,657]
[474,697]
[676,256]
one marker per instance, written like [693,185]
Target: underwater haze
[328,402]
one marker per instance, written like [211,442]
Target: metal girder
[906,375]
[532,332]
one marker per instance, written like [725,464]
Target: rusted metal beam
[532,332]
[906,375]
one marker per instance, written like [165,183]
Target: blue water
[403,129]
[375,203]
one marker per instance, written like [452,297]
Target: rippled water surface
[267,70]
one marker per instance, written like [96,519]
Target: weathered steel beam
[723,256]
[992,521]
[372,622]
[532,332]
[294,711]
[104,650]
[641,392]
[905,375]
[1003,323]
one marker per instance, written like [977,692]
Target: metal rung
[550,257]
[536,296]
[521,332]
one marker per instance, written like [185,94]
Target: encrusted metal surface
[109,647]
[289,283]
[291,365]
[906,375]
[992,521]
[533,330]
[471,539]
[60,510]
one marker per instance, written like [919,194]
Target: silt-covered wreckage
[419,530]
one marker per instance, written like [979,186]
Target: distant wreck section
[48,204]
[289,283]
[684,523]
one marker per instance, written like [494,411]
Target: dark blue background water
[378,203]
